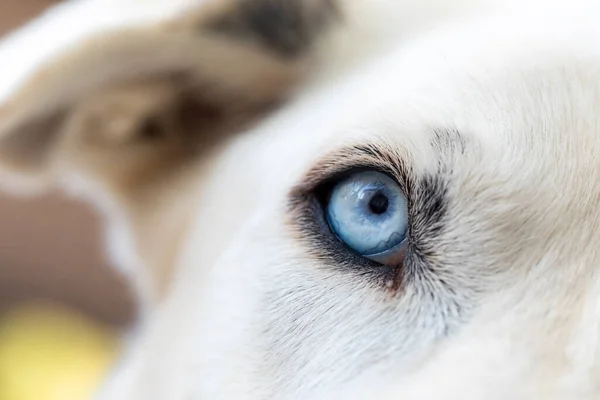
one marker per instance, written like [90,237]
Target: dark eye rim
[308,205]
[328,247]
[428,201]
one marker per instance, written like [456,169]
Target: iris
[369,213]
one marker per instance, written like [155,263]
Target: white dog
[321,199]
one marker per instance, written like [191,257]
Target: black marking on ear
[288,28]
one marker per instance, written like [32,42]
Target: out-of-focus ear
[119,97]
[126,84]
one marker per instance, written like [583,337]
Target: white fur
[251,315]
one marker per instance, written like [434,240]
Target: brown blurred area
[51,247]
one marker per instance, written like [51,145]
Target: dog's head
[325,200]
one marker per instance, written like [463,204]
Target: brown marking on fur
[192,43]
[28,151]
[20,12]
[140,111]
[226,69]
[148,174]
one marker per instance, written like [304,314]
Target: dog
[328,199]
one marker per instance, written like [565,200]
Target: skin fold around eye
[307,218]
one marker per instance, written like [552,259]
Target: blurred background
[61,306]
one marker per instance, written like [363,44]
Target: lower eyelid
[330,252]
[391,257]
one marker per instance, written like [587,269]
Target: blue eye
[369,212]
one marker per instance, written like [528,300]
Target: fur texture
[204,130]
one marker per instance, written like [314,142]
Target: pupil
[378,204]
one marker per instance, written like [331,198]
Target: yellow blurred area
[52,353]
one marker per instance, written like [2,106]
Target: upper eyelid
[382,157]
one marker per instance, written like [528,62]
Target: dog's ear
[117,87]
[124,94]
